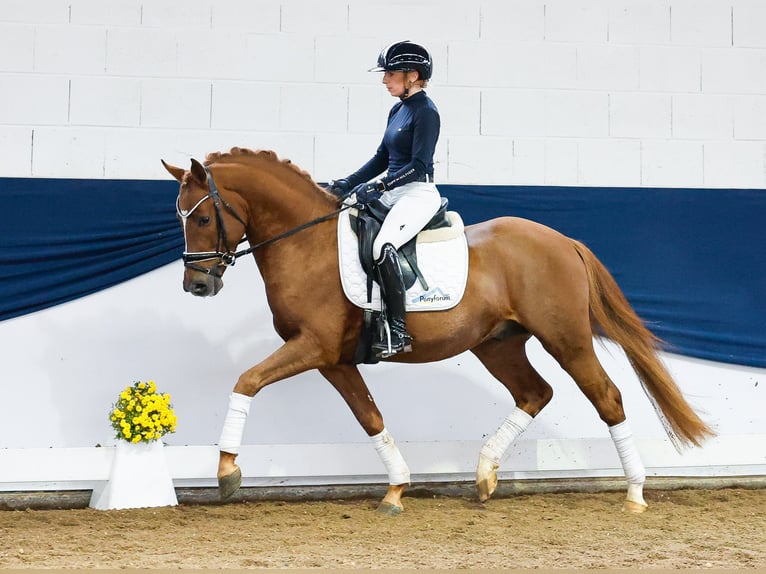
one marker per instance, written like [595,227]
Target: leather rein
[229,257]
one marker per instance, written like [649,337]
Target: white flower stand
[139,478]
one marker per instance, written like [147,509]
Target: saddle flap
[367,224]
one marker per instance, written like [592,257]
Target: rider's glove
[366,192]
[338,187]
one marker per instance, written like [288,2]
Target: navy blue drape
[692,262]
[62,239]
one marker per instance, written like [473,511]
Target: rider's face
[396,80]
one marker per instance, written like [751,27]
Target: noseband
[229,257]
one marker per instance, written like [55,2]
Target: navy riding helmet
[405,56]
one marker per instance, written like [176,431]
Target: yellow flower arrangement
[141,414]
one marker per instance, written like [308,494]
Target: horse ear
[198,172]
[176,172]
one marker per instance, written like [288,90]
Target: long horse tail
[614,318]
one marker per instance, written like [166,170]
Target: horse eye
[203,221]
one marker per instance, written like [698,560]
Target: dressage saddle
[367,223]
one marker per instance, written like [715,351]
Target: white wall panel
[146,147]
[215,54]
[639,22]
[701,23]
[33,100]
[308,16]
[245,106]
[577,114]
[314,109]
[669,69]
[584,21]
[111,13]
[750,117]
[38,12]
[459,108]
[607,68]
[252,16]
[636,115]
[671,163]
[141,52]
[702,117]
[176,14]
[605,162]
[72,50]
[179,104]
[339,155]
[16,48]
[347,59]
[735,164]
[101,101]
[280,58]
[514,20]
[603,70]
[749,22]
[488,160]
[561,159]
[368,108]
[733,71]
[61,152]
[413,20]
[16,159]
[495,64]
[512,112]
[528,161]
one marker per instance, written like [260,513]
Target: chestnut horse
[524,280]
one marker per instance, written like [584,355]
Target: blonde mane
[251,157]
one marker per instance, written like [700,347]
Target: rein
[229,258]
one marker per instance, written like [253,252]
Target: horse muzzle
[202,284]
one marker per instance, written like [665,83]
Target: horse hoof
[634,507]
[485,490]
[486,478]
[389,509]
[228,485]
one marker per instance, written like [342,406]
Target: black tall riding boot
[393,292]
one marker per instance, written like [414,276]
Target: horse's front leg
[349,383]
[294,357]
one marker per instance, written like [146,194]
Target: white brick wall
[539,92]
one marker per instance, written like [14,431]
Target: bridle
[229,257]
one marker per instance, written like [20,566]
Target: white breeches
[413,205]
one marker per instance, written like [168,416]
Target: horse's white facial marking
[184,214]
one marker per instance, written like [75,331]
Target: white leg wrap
[499,443]
[234,424]
[398,471]
[629,457]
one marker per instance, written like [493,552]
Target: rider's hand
[366,192]
[338,187]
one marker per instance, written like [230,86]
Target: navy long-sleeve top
[408,146]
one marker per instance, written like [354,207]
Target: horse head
[212,228]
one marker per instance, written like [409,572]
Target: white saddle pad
[442,258]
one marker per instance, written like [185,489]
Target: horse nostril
[199,289]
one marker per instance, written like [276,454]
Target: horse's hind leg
[349,383]
[507,360]
[581,362]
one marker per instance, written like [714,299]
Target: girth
[367,224]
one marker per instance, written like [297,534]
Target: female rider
[406,156]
